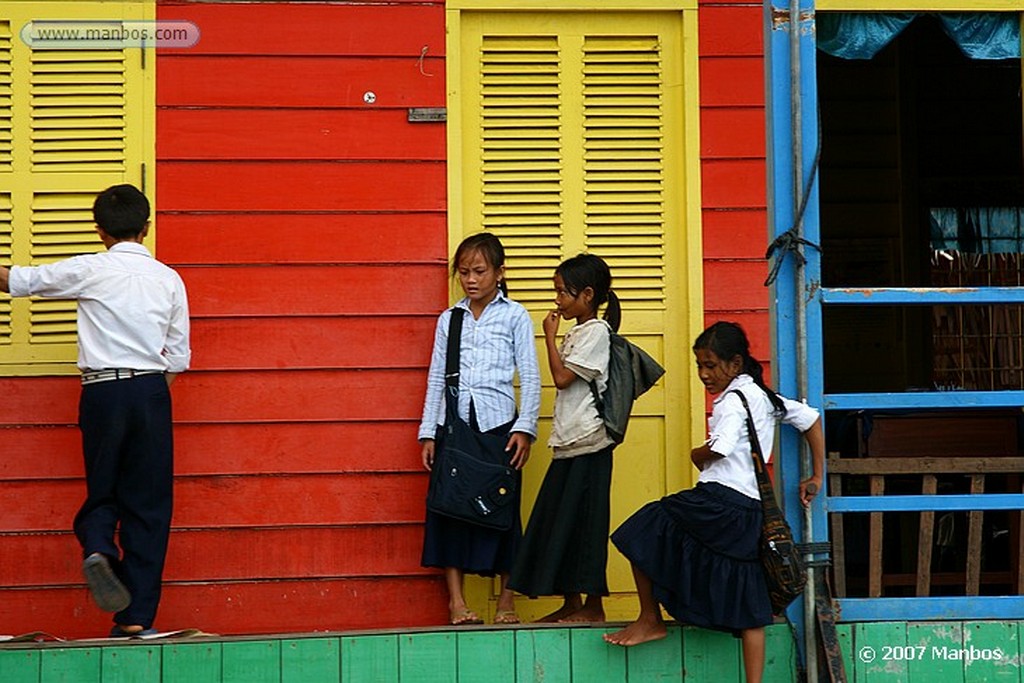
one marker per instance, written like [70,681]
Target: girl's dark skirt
[449,542]
[700,549]
[565,549]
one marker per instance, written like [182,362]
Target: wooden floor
[893,652]
[464,655]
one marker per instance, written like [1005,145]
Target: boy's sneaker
[107,590]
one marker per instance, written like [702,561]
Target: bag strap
[451,369]
[764,484]
[451,363]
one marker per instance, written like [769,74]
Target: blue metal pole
[796,317]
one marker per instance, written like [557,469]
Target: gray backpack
[631,372]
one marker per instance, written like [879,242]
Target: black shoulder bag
[783,566]
[471,479]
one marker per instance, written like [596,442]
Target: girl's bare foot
[640,631]
[592,610]
[568,608]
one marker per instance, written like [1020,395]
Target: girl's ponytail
[613,312]
[753,368]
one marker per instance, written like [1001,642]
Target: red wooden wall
[733,168]
[310,228]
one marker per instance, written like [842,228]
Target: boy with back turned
[133,339]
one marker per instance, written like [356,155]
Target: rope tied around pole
[787,242]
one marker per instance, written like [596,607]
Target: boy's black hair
[586,270]
[487,245]
[121,211]
[728,340]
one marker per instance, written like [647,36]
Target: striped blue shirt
[493,349]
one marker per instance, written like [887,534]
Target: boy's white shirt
[132,309]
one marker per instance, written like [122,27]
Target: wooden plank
[782,659]
[302,186]
[138,664]
[732,133]
[41,400]
[486,656]
[1019,538]
[252,662]
[298,552]
[20,666]
[256,238]
[871,641]
[543,655]
[730,285]
[282,448]
[191,663]
[77,665]
[661,660]
[710,656]
[594,659]
[300,395]
[733,183]
[844,634]
[731,31]
[369,658]
[43,452]
[998,644]
[925,541]
[354,342]
[734,233]
[310,659]
[253,607]
[875,542]
[38,451]
[974,524]
[838,535]
[325,134]
[203,502]
[427,657]
[934,651]
[922,465]
[399,27]
[332,290]
[731,81]
[269,81]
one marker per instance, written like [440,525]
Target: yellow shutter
[569,132]
[72,122]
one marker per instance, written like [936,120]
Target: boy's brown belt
[97,376]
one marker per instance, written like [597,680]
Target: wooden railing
[929,469]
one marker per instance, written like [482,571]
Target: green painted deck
[943,652]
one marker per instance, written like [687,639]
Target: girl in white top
[565,548]
[696,551]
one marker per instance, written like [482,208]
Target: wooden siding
[733,171]
[309,226]
[923,652]
[487,655]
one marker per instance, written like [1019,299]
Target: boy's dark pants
[129,467]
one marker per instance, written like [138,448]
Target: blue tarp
[859,35]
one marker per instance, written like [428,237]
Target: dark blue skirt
[449,542]
[700,549]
